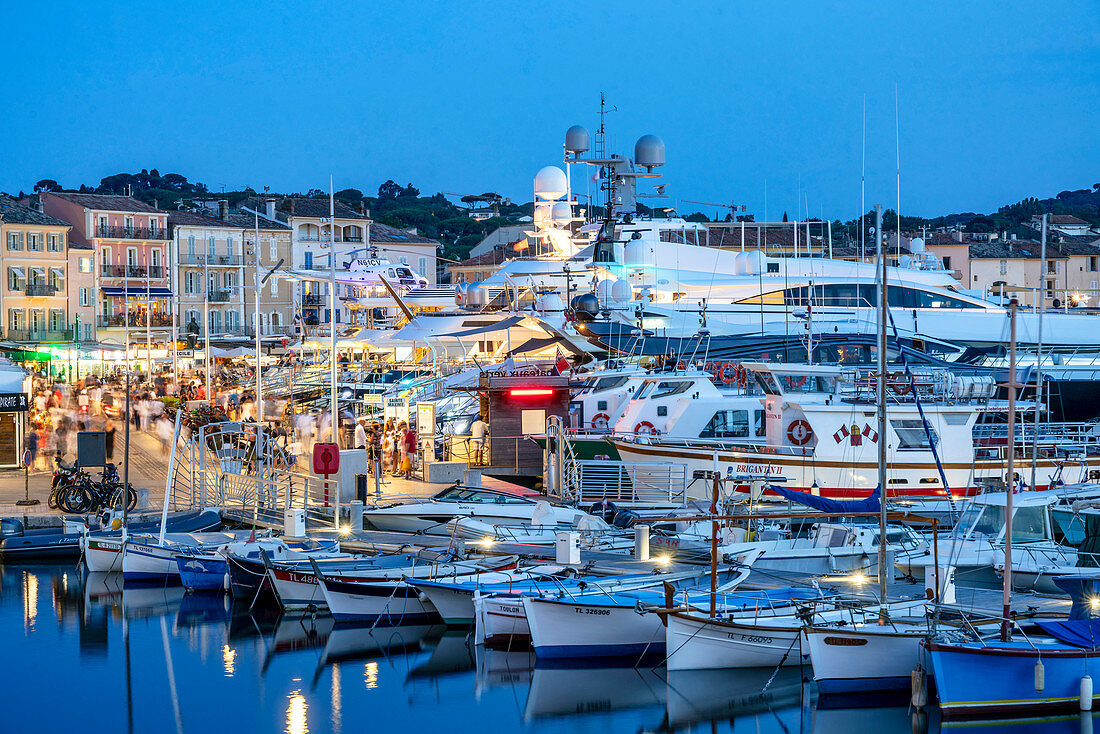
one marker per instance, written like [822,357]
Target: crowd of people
[392,447]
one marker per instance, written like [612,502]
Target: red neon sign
[522,392]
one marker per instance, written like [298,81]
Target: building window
[272,252]
[1094,263]
[103,225]
[57,319]
[423,264]
[156,257]
[85,297]
[131,257]
[309,260]
[229,248]
[154,228]
[87,331]
[1004,267]
[1052,267]
[17,319]
[17,279]
[54,242]
[84,264]
[57,275]
[34,242]
[946,263]
[276,319]
[274,287]
[215,322]
[191,245]
[15,240]
[210,247]
[105,257]
[230,281]
[129,225]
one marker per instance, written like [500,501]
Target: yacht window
[774,298]
[646,388]
[607,383]
[767,383]
[601,405]
[761,427]
[670,388]
[924,299]
[806,383]
[1027,524]
[727,424]
[912,434]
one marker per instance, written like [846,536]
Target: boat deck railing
[629,484]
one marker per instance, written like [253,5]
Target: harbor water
[85,653]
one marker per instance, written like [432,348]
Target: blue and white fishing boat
[209,570]
[1049,666]
[149,558]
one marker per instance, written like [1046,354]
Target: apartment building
[34,298]
[131,246]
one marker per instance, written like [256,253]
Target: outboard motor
[10,527]
[585,307]
[605,509]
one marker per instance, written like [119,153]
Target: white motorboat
[144,558]
[494,506]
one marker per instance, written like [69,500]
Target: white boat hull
[102,555]
[863,658]
[695,643]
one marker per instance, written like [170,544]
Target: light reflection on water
[157,659]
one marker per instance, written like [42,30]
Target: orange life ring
[797,382]
[731,369]
[644,428]
[799,432]
[740,375]
[899,384]
[600,421]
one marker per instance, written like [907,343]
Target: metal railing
[218,296]
[189,258]
[40,289]
[40,335]
[132,233]
[314,299]
[244,470]
[119,320]
[631,483]
[132,271]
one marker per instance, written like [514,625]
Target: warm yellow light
[486,542]
[661,559]
[229,660]
[370,675]
[1094,602]
[857,578]
[296,710]
[346,530]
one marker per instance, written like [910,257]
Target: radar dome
[621,291]
[916,245]
[756,263]
[585,307]
[551,184]
[561,212]
[549,302]
[576,140]
[649,152]
[542,215]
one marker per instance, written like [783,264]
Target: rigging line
[920,410]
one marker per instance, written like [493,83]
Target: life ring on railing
[600,421]
[728,374]
[899,384]
[797,382]
[741,375]
[799,432]
[644,428]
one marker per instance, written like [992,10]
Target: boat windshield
[655,389]
[465,494]
[983,520]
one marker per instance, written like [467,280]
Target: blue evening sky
[999,100]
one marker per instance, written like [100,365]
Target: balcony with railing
[314,299]
[232,261]
[152,272]
[40,290]
[118,320]
[39,335]
[218,296]
[131,233]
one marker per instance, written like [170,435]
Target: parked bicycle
[81,494]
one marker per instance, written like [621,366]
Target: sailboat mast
[881,393]
[1010,447]
[1040,303]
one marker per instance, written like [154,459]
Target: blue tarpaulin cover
[869,504]
[1083,590]
[1076,632]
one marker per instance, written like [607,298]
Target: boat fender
[1086,693]
[644,428]
[918,682]
[1040,676]
[422,597]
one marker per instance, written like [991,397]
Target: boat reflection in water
[159,659]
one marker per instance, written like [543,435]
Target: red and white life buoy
[644,428]
[799,432]
[600,421]
[729,373]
